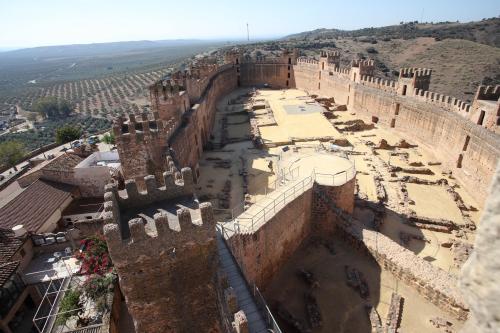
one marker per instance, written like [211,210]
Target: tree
[51,107]
[11,153]
[109,138]
[68,133]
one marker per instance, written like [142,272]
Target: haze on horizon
[31,23]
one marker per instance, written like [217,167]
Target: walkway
[245,300]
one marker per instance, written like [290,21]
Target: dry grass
[458,65]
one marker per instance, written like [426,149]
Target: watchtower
[361,67]
[329,58]
[142,145]
[411,78]
[163,246]
[168,96]
[290,56]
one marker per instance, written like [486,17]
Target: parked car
[76,144]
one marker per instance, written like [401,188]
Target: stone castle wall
[167,272]
[188,140]
[277,75]
[433,283]
[261,254]
[439,122]
[322,217]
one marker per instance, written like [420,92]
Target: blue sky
[26,23]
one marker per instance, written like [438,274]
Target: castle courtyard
[395,179]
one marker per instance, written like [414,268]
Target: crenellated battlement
[489,93]
[450,103]
[168,87]
[155,237]
[144,126]
[361,67]
[414,72]
[375,82]
[307,61]
[330,54]
[175,184]
[164,232]
[362,63]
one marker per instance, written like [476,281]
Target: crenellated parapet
[486,107]
[415,72]
[175,184]
[143,145]
[165,232]
[361,67]
[330,58]
[411,78]
[135,128]
[307,61]
[447,102]
[379,83]
[168,87]
[489,93]
[155,238]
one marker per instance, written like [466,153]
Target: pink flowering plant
[94,256]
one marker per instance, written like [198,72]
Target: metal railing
[281,180]
[254,220]
[264,309]
[257,219]
[337,179]
[257,297]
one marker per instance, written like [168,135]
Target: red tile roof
[9,245]
[65,162]
[6,271]
[35,205]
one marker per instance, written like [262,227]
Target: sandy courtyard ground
[341,307]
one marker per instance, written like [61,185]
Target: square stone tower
[411,78]
[163,246]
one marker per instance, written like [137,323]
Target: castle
[174,251]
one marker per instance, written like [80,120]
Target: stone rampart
[261,254]
[167,267]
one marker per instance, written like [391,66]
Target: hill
[486,32]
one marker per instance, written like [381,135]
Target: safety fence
[252,219]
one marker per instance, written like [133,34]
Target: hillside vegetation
[461,55]
[486,32]
[100,80]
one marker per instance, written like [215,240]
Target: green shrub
[70,302]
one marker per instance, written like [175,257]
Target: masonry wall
[434,284]
[443,131]
[331,82]
[189,139]
[323,219]
[262,254]
[274,74]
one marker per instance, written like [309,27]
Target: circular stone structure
[327,168]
